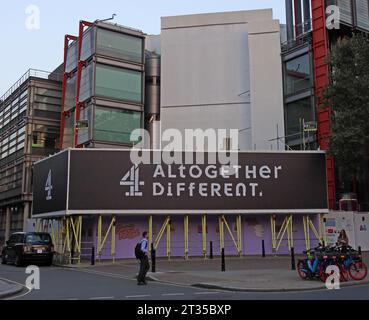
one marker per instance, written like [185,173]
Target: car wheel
[3,259]
[49,263]
[18,261]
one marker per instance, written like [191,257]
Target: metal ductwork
[152,104]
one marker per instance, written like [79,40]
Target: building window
[119,45]
[297,74]
[119,84]
[44,140]
[296,113]
[115,125]
[86,83]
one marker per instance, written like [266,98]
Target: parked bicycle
[347,260]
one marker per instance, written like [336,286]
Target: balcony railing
[304,36]
[31,73]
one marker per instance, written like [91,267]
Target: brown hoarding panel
[50,177]
[106,180]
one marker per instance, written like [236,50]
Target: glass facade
[70,94]
[118,84]
[84,134]
[86,83]
[295,113]
[68,137]
[44,139]
[115,125]
[119,45]
[87,44]
[72,57]
[297,74]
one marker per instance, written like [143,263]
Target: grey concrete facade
[223,71]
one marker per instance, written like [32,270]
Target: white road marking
[101,298]
[18,296]
[139,296]
[206,293]
[172,294]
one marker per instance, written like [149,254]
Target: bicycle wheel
[358,270]
[323,276]
[344,274]
[300,270]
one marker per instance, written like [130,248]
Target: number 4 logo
[132,179]
[48,187]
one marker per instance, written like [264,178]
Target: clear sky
[41,48]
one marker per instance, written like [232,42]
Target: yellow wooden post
[204,235]
[168,238]
[291,232]
[99,235]
[161,233]
[150,232]
[239,234]
[221,232]
[186,227]
[113,238]
[80,238]
[273,229]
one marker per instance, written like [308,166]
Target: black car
[28,248]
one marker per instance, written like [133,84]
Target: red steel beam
[82,25]
[67,39]
[320,49]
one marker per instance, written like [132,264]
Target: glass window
[39,238]
[119,45]
[70,94]
[71,57]
[86,83]
[84,134]
[68,135]
[119,84]
[297,74]
[296,112]
[44,140]
[115,125]
[48,92]
[46,99]
[87,44]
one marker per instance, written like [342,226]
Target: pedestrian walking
[142,254]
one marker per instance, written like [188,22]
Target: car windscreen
[38,238]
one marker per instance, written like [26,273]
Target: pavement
[117,281]
[246,274]
[9,288]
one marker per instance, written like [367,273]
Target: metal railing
[29,74]
[304,37]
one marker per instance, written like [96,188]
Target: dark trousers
[144,268]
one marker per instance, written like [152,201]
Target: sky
[32,31]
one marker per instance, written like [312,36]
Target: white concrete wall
[266,84]
[223,71]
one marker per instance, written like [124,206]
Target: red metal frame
[67,40]
[82,25]
[320,49]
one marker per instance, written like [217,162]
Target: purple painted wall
[254,228]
